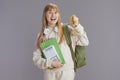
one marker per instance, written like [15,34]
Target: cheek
[47,16]
[57,15]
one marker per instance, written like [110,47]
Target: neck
[52,26]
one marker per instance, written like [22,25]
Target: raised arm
[79,36]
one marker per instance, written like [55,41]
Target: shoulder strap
[67,34]
[69,42]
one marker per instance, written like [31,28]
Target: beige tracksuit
[66,72]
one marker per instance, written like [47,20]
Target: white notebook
[51,53]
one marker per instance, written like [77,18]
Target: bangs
[52,8]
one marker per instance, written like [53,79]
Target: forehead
[52,9]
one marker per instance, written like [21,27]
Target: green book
[51,50]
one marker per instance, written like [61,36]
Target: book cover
[52,50]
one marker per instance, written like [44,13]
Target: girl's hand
[56,64]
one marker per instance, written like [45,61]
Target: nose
[53,14]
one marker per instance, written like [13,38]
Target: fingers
[56,64]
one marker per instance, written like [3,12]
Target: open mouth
[53,19]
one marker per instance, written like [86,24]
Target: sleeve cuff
[80,29]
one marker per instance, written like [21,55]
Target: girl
[52,28]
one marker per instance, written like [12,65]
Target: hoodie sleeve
[81,36]
[40,62]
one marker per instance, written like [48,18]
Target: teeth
[52,19]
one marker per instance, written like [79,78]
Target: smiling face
[52,16]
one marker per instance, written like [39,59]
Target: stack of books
[51,50]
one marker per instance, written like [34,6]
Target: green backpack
[79,55]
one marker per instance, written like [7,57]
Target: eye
[50,12]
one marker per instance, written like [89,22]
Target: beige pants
[60,75]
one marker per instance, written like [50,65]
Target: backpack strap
[69,42]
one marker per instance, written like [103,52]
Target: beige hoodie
[80,39]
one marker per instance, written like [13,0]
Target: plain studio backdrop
[20,22]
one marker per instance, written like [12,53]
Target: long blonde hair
[44,23]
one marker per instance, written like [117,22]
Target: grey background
[20,22]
